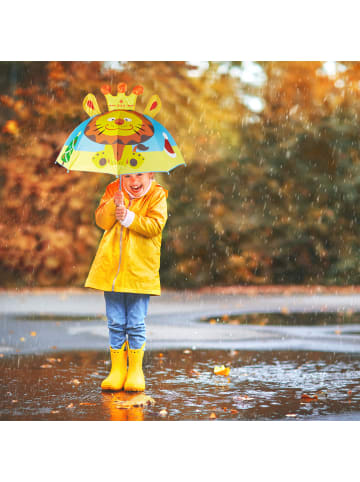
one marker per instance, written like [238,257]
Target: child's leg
[137,306]
[136,311]
[116,315]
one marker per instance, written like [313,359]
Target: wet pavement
[270,385]
[54,354]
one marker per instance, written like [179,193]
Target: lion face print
[120,127]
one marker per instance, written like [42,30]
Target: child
[126,268]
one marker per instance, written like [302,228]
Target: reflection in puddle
[263,385]
[288,319]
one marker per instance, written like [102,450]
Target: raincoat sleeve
[153,222]
[105,213]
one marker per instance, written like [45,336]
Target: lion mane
[141,133]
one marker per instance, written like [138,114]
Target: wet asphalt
[42,321]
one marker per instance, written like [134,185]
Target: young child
[126,268]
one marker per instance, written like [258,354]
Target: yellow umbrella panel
[120,141]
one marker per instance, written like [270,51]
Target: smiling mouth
[136,189]
[119,129]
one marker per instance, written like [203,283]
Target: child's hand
[119,198]
[120,212]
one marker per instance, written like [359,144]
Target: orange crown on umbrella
[121,101]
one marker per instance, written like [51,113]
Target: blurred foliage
[269,194]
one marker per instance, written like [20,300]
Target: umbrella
[121,140]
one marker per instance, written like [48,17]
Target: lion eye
[110,119]
[127,119]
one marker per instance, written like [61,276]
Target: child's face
[137,184]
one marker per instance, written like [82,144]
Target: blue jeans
[126,314]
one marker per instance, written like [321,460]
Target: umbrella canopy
[122,140]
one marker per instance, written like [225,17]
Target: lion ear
[153,106]
[90,105]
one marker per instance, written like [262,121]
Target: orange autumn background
[270,193]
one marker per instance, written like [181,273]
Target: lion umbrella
[121,140]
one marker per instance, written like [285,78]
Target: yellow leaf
[11,127]
[33,333]
[222,370]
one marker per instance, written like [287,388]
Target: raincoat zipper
[120,243]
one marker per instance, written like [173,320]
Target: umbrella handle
[120,181]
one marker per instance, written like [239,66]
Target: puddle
[287,319]
[263,385]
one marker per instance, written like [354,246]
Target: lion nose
[119,121]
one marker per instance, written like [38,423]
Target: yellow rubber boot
[117,376]
[135,381]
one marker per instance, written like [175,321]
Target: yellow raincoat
[128,259]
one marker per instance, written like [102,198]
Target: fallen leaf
[194,372]
[337,332]
[160,355]
[55,411]
[54,347]
[285,310]
[1,355]
[33,333]
[163,413]
[222,370]
[212,415]
[22,339]
[349,392]
[212,321]
[51,360]
[71,405]
[234,411]
[225,317]
[308,398]
[14,401]
[290,415]
[187,352]
[75,381]
[46,366]
[87,403]
[127,400]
